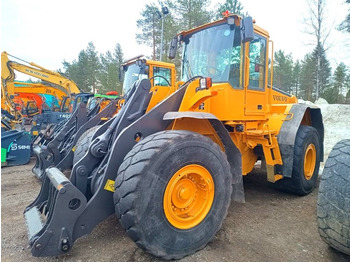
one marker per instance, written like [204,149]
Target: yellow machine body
[252,115]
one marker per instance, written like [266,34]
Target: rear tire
[306,163]
[158,185]
[333,205]
[83,144]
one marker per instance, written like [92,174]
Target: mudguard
[288,132]
[233,154]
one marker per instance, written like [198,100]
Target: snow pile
[336,121]
[306,102]
[321,101]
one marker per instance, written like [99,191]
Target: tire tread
[83,143]
[333,205]
[144,151]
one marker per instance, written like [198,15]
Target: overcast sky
[47,32]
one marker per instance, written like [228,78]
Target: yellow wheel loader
[169,163]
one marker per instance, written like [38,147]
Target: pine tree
[83,73]
[296,77]
[324,70]
[71,70]
[283,71]
[307,77]
[233,6]
[77,71]
[339,82]
[118,55]
[345,25]
[347,87]
[93,66]
[192,13]
[118,60]
[88,72]
[150,27]
[109,73]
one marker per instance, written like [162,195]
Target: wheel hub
[188,196]
[309,161]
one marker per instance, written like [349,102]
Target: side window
[161,76]
[235,75]
[65,107]
[257,57]
[32,108]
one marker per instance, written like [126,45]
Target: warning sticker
[73,149]
[109,185]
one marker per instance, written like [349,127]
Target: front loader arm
[56,235]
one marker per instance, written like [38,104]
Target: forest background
[309,78]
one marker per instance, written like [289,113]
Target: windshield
[213,52]
[133,73]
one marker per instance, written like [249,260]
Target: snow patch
[321,101]
[336,121]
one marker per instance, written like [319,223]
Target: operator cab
[161,75]
[230,51]
[130,73]
[219,60]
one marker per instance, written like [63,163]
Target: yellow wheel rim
[309,161]
[188,196]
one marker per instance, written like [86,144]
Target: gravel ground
[270,226]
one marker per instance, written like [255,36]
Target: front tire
[172,193]
[83,143]
[306,163]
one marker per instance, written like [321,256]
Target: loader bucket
[15,148]
[71,208]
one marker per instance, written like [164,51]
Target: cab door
[256,74]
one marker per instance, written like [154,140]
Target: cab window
[32,108]
[65,107]
[257,58]
[235,67]
[161,76]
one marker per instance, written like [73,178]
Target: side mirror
[173,48]
[247,29]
